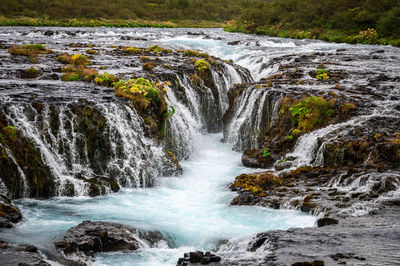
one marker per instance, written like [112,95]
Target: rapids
[191,210]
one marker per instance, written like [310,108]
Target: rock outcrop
[89,237]
[9,214]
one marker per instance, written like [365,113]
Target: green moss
[148,66]
[30,50]
[257,183]
[31,73]
[155,49]
[76,59]
[132,50]
[201,65]
[196,53]
[137,87]
[91,51]
[69,76]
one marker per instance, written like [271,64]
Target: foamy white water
[193,210]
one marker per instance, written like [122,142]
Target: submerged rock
[89,237]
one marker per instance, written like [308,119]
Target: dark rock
[195,257]
[22,255]
[198,257]
[233,43]
[313,263]
[9,214]
[91,237]
[326,221]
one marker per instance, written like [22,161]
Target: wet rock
[312,263]
[21,255]
[9,214]
[88,238]
[326,221]
[233,43]
[198,257]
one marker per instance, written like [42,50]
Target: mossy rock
[31,73]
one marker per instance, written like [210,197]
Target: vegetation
[266,153]
[331,20]
[126,12]
[201,65]
[322,74]
[195,53]
[31,73]
[148,66]
[348,21]
[147,96]
[307,113]
[132,50]
[257,183]
[30,50]
[76,59]
[70,76]
[106,79]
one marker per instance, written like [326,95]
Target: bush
[389,24]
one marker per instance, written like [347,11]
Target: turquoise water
[193,210]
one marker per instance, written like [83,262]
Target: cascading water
[192,210]
[254,110]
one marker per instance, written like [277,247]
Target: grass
[368,36]
[118,23]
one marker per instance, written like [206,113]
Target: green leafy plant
[322,74]
[106,79]
[266,153]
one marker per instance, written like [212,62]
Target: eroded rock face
[9,214]
[89,237]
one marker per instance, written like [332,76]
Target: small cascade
[310,147]
[198,108]
[254,111]
[79,143]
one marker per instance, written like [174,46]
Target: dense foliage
[354,21]
[160,10]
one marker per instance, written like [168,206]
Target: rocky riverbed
[320,127]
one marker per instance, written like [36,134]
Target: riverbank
[111,23]
[369,36]
[349,144]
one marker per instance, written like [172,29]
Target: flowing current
[191,210]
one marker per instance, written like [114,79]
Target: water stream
[191,210]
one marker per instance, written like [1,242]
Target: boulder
[22,255]
[198,257]
[89,237]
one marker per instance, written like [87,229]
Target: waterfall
[73,153]
[254,110]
